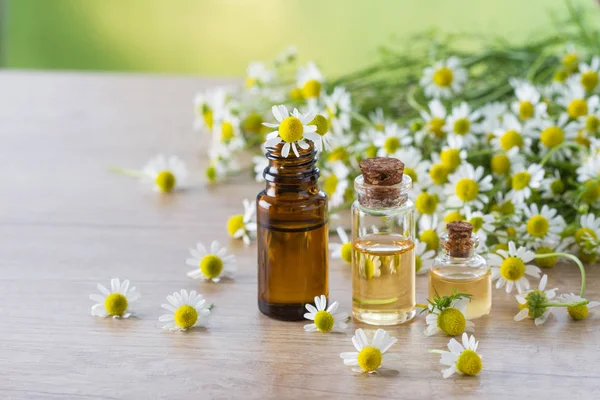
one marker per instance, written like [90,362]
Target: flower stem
[126,172]
[210,306]
[577,303]
[435,351]
[554,150]
[571,257]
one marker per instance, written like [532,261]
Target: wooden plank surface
[67,224]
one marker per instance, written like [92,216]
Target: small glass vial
[457,267]
[292,235]
[383,258]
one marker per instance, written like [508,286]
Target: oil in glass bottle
[383,258]
[457,267]
[292,235]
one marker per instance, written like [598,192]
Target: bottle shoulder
[406,207]
[475,261]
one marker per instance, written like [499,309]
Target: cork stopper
[382,171]
[459,243]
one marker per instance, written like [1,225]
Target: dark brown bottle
[292,235]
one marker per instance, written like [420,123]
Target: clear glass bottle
[458,267]
[383,259]
[292,235]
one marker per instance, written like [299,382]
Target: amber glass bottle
[292,235]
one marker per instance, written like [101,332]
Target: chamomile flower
[165,173]
[510,134]
[528,106]
[589,170]
[240,226]
[369,266]
[343,250]
[309,80]
[590,127]
[453,154]
[588,74]
[482,225]
[185,311]
[423,257]
[322,124]
[287,55]
[461,124]
[444,78]
[573,99]
[532,303]
[391,139]
[462,358]
[542,224]
[378,119]
[335,183]
[586,236]
[211,265]
[325,319]
[338,106]
[510,267]
[114,302]
[555,133]
[553,186]
[523,181]
[570,59]
[492,114]
[227,132]
[260,164]
[369,355]
[291,130]
[466,187]
[548,247]
[506,163]
[578,312]
[257,74]
[451,320]
[207,104]
[429,231]
[415,167]
[435,120]
[427,203]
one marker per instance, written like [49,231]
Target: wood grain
[66,224]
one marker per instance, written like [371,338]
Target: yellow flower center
[296,94]
[369,358]
[418,263]
[234,224]
[506,208]
[450,158]
[577,108]
[578,312]
[391,144]
[186,316]
[250,82]
[426,203]
[591,192]
[467,189]
[500,246]
[412,173]
[451,321]
[226,132]
[552,136]
[443,77]
[477,223]
[592,123]
[324,321]
[582,138]
[538,226]
[548,262]
[431,239]
[560,76]
[311,89]
[346,252]
[330,184]
[321,123]
[511,139]
[338,154]
[211,266]
[500,164]
[526,110]
[165,180]
[589,80]
[511,232]
[379,127]
[469,363]
[439,173]
[371,151]
[462,126]
[570,62]
[512,269]
[520,180]
[115,304]
[557,186]
[211,174]
[453,217]
[583,235]
[291,129]
[207,115]
[253,123]
[436,126]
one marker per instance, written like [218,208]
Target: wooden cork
[382,171]
[459,243]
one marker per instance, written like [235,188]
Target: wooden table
[67,224]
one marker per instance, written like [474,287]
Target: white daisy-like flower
[589,169]
[452,320]
[218,169]
[369,355]
[542,224]
[547,247]
[286,55]
[461,124]
[228,135]
[165,173]
[211,265]
[492,114]
[309,80]
[435,121]
[335,182]
[430,230]
[324,134]
[553,186]
[114,302]
[452,155]
[555,133]
[391,139]
[444,79]
[338,106]
[260,164]
[577,312]
[511,134]
[325,319]
[530,303]
[587,236]
[505,163]
[523,181]
[207,104]
[241,226]
[378,119]
[185,311]
[343,250]
[423,257]
[588,74]
[462,358]
[257,74]
[570,58]
[510,268]
[416,168]
[291,130]
[528,106]
[482,224]
[573,99]
[466,187]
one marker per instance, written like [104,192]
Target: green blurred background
[221,37]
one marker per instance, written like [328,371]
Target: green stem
[575,304]
[573,258]
[361,118]
[555,149]
[420,305]
[210,306]
[126,172]
[434,351]
[410,99]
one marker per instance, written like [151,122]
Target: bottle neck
[291,173]
[376,197]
